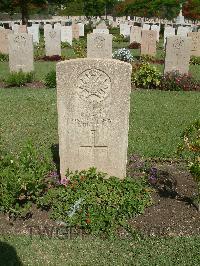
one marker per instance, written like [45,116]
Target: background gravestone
[66,34]
[148,43]
[136,34]
[53,42]
[156,28]
[168,32]
[195,49]
[20,52]
[93,99]
[75,31]
[178,50]
[4,40]
[101,31]
[99,45]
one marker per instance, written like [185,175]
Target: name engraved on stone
[93,86]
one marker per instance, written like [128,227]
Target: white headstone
[93,99]
[21,52]
[53,42]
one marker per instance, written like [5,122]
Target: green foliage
[80,48]
[119,38]
[21,179]
[39,50]
[18,79]
[65,45]
[89,201]
[4,57]
[147,77]
[50,79]
[191,145]
[195,60]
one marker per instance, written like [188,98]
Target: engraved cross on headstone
[96,153]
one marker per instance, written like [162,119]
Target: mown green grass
[94,251]
[157,119]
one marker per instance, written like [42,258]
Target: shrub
[89,201]
[39,50]
[65,45]
[190,147]
[147,77]
[22,180]
[119,38]
[50,79]
[174,81]
[4,57]
[134,45]
[195,60]
[52,58]
[80,48]
[123,54]
[19,79]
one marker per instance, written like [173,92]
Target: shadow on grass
[8,255]
[56,157]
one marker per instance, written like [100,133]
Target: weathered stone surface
[93,114]
[4,40]
[146,27]
[47,28]
[34,31]
[101,25]
[20,52]
[178,50]
[75,31]
[195,36]
[22,29]
[101,31]
[156,28]
[183,31]
[148,43]
[81,29]
[136,34]
[66,34]
[125,29]
[53,42]
[168,32]
[99,45]
[15,28]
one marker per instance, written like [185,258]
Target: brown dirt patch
[172,216]
[168,216]
[32,85]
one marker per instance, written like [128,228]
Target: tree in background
[153,8]
[191,9]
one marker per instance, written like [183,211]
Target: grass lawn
[157,119]
[93,251]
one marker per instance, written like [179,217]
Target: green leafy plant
[65,45]
[22,180]
[39,50]
[19,79]
[119,38]
[79,47]
[195,60]
[147,77]
[190,147]
[88,201]
[4,57]
[50,79]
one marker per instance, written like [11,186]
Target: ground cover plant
[88,201]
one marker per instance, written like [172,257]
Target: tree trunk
[24,11]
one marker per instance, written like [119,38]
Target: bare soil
[169,215]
